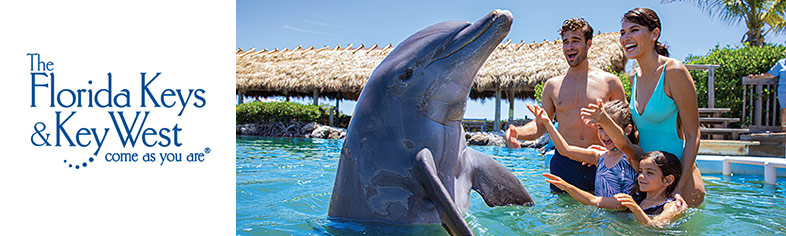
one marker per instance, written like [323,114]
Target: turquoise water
[284,187]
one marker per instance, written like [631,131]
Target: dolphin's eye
[406,75]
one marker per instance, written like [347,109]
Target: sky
[286,24]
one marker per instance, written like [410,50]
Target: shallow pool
[284,187]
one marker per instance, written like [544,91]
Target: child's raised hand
[593,113]
[540,115]
[556,181]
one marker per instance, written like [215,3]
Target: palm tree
[757,14]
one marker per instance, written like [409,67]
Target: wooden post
[710,81]
[239,98]
[711,87]
[498,97]
[511,99]
[757,119]
[330,112]
[316,98]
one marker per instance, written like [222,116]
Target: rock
[485,139]
[247,129]
[537,143]
[311,127]
[327,132]
[478,139]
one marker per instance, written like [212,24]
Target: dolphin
[404,159]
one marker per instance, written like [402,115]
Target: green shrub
[735,62]
[286,111]
[622,75]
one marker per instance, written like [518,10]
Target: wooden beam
[511,100]
[498,97]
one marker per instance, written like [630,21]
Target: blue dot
[69,165]
[64,161]
[77,167]
[91,159]
[89,82]
[84,164]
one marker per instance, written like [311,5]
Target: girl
[658,173]
[663,100]
[615,173]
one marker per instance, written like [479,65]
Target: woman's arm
[576,153]
[582,196]
[683,92]
[595,114]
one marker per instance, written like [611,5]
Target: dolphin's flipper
[495,183]
[426,173]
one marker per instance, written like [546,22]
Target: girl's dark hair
[669,164]
[647,17]
[619,112]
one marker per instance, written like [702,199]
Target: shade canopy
[341,72]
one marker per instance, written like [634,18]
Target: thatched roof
[342,72]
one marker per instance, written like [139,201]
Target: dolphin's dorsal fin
[495,183]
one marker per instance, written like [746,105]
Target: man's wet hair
[577,24]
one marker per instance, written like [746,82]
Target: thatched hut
[512,70]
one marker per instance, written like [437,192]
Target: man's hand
[510,137]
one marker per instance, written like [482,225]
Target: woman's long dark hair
[647,17]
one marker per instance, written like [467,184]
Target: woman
[663,100]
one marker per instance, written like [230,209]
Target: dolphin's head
[433,70]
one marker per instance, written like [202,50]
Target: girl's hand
[593,113]
[627,201]
[556,181]
[540,115]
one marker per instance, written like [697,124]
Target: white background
[192,44]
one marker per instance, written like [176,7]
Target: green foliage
[626,85]
[622,75]
[539,91]
[735,62]
[286,111]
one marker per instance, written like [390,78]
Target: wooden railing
[710,81]
[475,124]
[760,112]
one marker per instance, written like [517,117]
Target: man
[564,96]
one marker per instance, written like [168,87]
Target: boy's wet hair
[669,164]
[577,24]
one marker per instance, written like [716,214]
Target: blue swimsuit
[620,178]
[657,124]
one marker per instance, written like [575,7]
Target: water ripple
[284,187]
